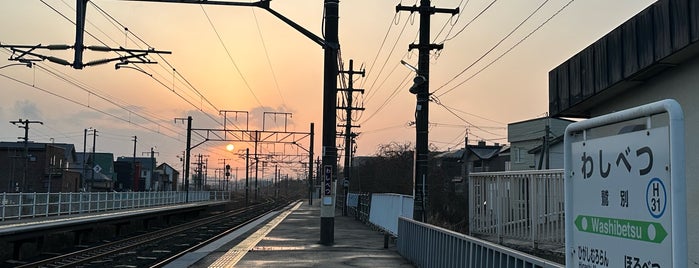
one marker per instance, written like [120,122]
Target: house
[46,167]
[127,175]
[167,178]
[98,171]
[479,157]
[650,57]
[145,167]
[526,135]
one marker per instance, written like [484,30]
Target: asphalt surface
[291,238]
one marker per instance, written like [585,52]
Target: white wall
[682,84]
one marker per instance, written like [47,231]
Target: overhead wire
[494,46]
[179,76]
[103,43]
[370,90]
[447,38]
[448,22]
[117,24]
[269,62]
[390,97]
[436,101]
[83,105]
[230,57]
[510,49]
[383,42]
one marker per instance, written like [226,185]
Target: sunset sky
[245,59]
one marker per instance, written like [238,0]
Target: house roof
[69,149]
[482,152]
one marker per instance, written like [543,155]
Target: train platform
[291,238]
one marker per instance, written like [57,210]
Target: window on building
[518,155]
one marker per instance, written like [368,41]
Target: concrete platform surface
[292,239]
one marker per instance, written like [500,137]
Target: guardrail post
[4,203]
[60,203]
[34,195]
[533,208]
[47,204]
[498,207]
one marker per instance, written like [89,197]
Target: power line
[370,91]
[461,118]
[180,78]
[510,49]
[172,89]
[230,57]
[390,97]
[269,63]
[378,52]
[458,16]
[83,105]
[471,21]
[493,47]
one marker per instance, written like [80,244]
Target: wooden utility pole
[421,89]
[349,107]
[25,125]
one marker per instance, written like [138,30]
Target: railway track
[157,248]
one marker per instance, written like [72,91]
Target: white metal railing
[431,246]
[387,208]
[15,206]
[521,205]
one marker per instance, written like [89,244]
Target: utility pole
[247,175]
[257,160]
[94,140]
[25,125]
[331,47]
[84,162]
[422,108]
[310,169]
[349,106]
[149,183]
[187,155]
[133,166]
[201,165]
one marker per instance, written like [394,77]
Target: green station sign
[652,232]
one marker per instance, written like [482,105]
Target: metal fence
[386,208]
[15,206]
[520,205]
[430,246]
[361,211]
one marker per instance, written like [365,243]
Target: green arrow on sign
[628,229]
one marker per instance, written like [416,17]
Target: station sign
[327,180]
[622,208]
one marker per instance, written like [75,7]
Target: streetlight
[25,63]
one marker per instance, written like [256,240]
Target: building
[46,167]
[650,57]
[549,156]
[479,157]
[167,178]
[145,167]
[98,171]
[527,135]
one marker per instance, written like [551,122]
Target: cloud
[27,109]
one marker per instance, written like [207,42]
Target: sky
[492,71]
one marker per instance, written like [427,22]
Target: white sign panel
[621,201]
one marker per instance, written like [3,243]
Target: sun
[230,147]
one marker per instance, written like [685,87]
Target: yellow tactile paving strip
[235,254]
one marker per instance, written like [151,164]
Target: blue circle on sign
[654,198]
